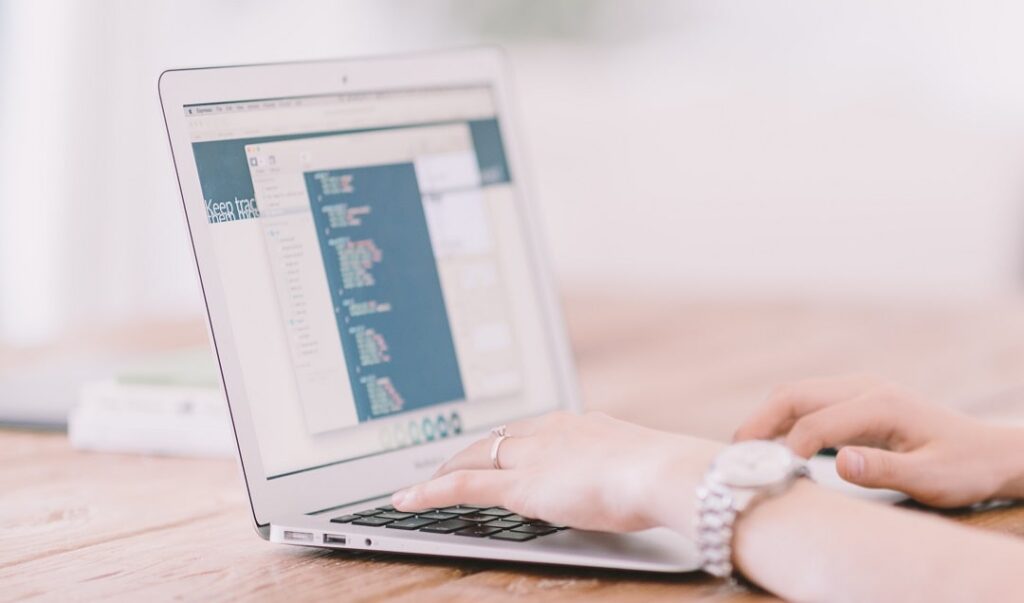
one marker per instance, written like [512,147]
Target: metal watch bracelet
[716,514]
[715,517]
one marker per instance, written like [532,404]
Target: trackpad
[823,470]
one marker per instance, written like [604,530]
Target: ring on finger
[495,446]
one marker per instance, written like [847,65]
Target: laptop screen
[375,269]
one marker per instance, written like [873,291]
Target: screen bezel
[372,477]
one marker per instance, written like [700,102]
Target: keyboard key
[497,512]
[386,508]
[437,515]
[518,518]
[412,523]
[532,528]
[394,515]
[513,536]
[503,524]
[457,510]
[549,525]
[344,519]
[478,531]
[368,512]
[372,521]
[477,517]
[447,527]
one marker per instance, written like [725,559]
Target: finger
[470,487]
[876,468]
[478,455]
[527,426]
[551,421]
[790,402]
[863,420]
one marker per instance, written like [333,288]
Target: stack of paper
[171,405]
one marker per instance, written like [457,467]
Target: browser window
[375,268]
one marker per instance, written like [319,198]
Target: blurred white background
[773,149]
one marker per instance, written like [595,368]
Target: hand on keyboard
[591,472]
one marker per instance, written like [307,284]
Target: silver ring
[494,450]
[500,430]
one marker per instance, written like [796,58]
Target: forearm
[812,544]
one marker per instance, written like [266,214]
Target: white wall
[743,148]
[789,148]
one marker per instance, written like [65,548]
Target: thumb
[874,468]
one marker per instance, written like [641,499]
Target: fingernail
[854,463]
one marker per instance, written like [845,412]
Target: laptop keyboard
[461,520]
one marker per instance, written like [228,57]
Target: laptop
[377,297]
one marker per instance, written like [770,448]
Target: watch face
[754,463]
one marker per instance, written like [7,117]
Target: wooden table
[91,526]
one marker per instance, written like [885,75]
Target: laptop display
[371,252]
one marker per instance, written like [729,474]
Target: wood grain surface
[88,526]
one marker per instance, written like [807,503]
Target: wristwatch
[742,475]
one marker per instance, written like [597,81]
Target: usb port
[298,536]
[335,539]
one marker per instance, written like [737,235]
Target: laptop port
[298,536]
[335,539]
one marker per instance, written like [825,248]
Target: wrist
[1011,459]
[757,534]
[672,494]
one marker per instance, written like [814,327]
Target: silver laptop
[377,296]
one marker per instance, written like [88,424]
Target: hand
[591,472]
[891,438]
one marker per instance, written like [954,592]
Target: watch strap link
[717,509]
[716,514]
